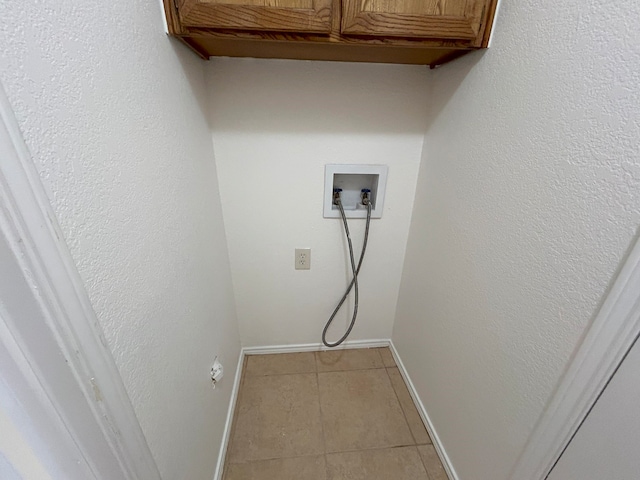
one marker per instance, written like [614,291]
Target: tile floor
[336,415]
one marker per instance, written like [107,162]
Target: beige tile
[308,468]
[432,462]
[414,420]
[280,363]
[354,359]
[278,416]
[387,357]
[389,464]
[360,410]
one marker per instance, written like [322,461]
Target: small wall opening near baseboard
[265,350]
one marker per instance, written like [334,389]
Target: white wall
[18,460]
[606,446]
[527,201]
[275,125]
[112,113]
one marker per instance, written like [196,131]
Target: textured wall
[527,201]
[111,111]
[275,126]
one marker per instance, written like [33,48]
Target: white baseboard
[314,347]
[317,347]
[226,435]
[264,350]
[444,458]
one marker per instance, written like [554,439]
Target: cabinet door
[441,19]
[302,16]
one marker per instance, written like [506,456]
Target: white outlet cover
[217,371]
[303,259]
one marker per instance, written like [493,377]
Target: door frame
[91,405]
[603,347]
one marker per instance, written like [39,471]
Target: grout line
[414,406]
[306,372]
[280,375]
[324,437]
[404,414]
[351,370]
[423,464]
[326,453]
[310,455]
[367,449]
[406,380]
[317,369]
[326,466]
[271,459]
[380,356]
[390,353]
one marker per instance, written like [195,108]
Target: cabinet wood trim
[194,13]
[357,21]
[462,31]
[407,25]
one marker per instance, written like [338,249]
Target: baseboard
[226,435]
[264,350]
[444,458]
[314,347]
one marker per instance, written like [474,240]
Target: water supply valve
[356,187]
[336,195]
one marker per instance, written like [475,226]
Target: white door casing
[56,364]
[606,444]
[605,344]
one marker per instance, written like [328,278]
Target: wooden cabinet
[458,20]
[430,32]
[303,16]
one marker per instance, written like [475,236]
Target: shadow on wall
[455,72]
[193,70]
[293,96]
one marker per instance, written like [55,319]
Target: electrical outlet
[303,258]
[217,371]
